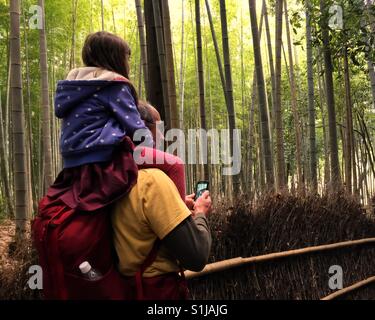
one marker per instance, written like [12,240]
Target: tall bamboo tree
[143,44]
[371,71]
[370,62]
[18,121]
[334,150]
[74,26]
[313,174]
[323,109]
[202,104]
[349,132]
[156,86]
[32,187]
[172,95]
[158,20]
[281,181]
[294,103]
[182,67]
[229,90]
[270,53]
[46,119]
[102,14]
[217,50]
[3,166]
[262,99]
[252,129]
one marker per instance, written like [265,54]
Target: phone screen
[201,188]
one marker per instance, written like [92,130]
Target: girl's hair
[107,51]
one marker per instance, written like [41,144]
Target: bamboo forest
[282,91]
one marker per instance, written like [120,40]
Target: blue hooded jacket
[98,110]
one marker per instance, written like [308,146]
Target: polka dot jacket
[96,116]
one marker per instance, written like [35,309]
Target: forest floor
[7,229]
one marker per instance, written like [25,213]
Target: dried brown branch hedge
[282,223]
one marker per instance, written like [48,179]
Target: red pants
[171,165]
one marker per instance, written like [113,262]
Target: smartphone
[202,186]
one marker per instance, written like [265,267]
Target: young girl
[99,109]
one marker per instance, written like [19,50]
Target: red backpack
[65,238]
[74,226]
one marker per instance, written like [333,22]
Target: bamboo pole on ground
[347,290]
[239,262]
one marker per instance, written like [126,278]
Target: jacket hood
[83,84]
[92,74]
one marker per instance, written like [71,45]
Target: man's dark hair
[144,109]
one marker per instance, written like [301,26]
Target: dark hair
[145,112]
[108,51]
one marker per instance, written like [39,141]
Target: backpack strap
[146,264]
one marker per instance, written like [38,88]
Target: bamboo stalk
[143,44]
[239,262]
[262,100]
[170,66]
[102,15]
[347,290]
[160,46]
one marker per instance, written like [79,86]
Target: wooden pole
[239,262]
[347,290]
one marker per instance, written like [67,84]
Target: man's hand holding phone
[203,205]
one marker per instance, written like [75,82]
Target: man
[154,213]
[156,234]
